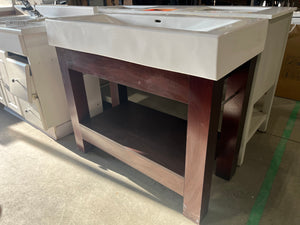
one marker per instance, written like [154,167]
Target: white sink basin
[4,19]
[22,24]
[214,11]
[174,22]
[65,11]
[17,21]
[203,47]
[53,11]
[243,9]
[13,27]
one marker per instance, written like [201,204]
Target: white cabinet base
[55,133]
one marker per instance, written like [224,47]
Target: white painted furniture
[269,62]
[296,18]
[30,78]
[149,40]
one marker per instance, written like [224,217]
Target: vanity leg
[204,107]
[79,107]
[234,115]
[76,98]
[118,93]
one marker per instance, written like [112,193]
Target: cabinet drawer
[19,79]
[12,101]
[12,42]
[2,97]
[31,112]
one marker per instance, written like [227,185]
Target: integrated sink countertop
[38,96]
[65,11]
[4,19]
[29,24]
[215,11]
[53,11]
[22,24]
[198,46]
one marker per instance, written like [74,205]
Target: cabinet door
[2,97]
[12,101]
[31,112]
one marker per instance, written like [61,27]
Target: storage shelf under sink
[154,135]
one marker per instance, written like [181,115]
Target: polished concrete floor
[47,182]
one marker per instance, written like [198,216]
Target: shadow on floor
[158,192]
[7,120]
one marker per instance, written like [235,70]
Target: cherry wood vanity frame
[178,154]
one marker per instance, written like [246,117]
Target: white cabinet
[32,84]
[12,102]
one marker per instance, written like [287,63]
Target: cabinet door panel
[31,112]
[12,101]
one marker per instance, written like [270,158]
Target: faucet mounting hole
[157,21]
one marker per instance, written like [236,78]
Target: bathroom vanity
[266,73]
[30,79]
[184,58]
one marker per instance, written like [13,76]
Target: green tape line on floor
[261,200]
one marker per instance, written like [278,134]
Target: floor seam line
[266,187]
[291,140]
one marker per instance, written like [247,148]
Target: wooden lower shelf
[139,135]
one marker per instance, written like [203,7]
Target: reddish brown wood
[203,117]
[76,98]
[80,99]
[114,94]
[175,85]
[239,85]
[150,141]
[204,104]
[118,93]
[156,135]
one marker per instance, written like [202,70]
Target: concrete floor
[47,182]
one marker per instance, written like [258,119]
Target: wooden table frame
[203,98]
